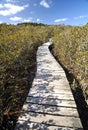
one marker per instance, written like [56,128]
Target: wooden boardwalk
[50,104]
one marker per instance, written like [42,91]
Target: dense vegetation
[18,46]
[70,47]
[17,66]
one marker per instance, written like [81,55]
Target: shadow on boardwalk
[78,96]
[50,104]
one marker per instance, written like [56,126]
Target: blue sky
[69,12]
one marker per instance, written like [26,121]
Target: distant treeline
[31,23]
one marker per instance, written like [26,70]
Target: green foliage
[18,46]
[71,48]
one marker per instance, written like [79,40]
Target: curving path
[50,104]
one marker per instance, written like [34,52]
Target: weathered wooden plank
[50,90]
[57,91]
[50,120]
[54,110]
[52,95]
[51,101]
[40,126]
[44,85]
[54,81]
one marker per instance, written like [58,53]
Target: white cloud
[11,0]
[15,18]
[38,20]
[60,20]
[1,6]
[28,20]
[44,4]
[9,9]
[1,22]
[81,17]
